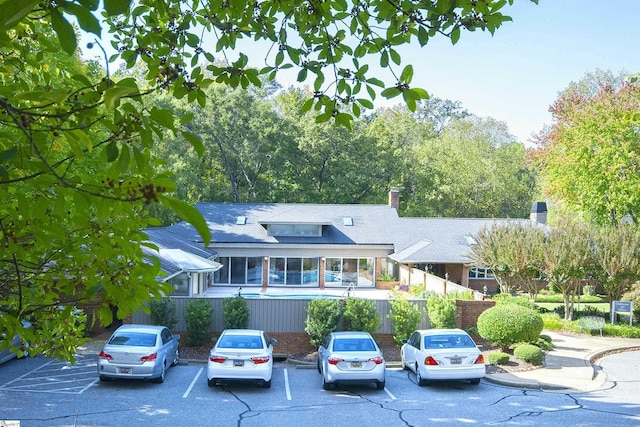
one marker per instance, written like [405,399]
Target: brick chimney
[394,198]
[538,212]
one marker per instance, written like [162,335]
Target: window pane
[222,276]
[294,271]
[254,271]
[332,271]
[276,271]
[365,272]
[310,271]
[307,230]
[238,270]
[280,229]
[180,284]
[349,271]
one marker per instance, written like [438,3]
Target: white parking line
[390,394]
[186,393]
[56,378]
[286,384]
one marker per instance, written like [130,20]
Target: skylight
[241,220]
[347,221]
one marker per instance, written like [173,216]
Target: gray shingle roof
[410,240]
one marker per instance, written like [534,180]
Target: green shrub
[498,358]
[385,277]
[589,310]
[235,313]
[404,316]
[441,311]
[543,343]
[163,312]
[522,300]
[633,295]
[198,316]
[529,353]
[361,315]
[557,298]
[323,317]
[507,324]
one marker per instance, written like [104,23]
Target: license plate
[124,371]
[356,364]
[456,360]
[238,363]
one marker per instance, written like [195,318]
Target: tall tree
[589,158]
[75,158]
[475,168]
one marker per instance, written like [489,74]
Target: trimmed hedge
[529,353]
[508,324]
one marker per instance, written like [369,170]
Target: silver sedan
[443,354]
[139,351]
[351,357]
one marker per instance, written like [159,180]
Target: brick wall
[468,311]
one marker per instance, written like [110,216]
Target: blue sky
[515,75]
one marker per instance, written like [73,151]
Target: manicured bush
[361,315]
[529,353]
[198,316]
[235,313]
[543,344]
[507,324]
[163,312]
[522,300]
[404,316]
[498,358]
[323,317]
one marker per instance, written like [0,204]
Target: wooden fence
[276,315]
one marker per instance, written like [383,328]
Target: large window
[239,271]
[312,230]
[480,273]
[293,271]
[349,271]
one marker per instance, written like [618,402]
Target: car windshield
[448,341]
[240,341]
[135,339]
[354,344]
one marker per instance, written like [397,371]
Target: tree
[76,164]
[474,168]
[566,258]
[511,251]
[589,158]
[617,259]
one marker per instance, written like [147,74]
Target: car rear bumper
[113,370]
[221,372]
[377,374]
[467,373]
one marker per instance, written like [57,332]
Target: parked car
[17,347]
[139,351]
[241,354]
[351,357]
[443,354]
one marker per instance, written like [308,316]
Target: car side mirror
[405,341]
[273,341]
[176,337]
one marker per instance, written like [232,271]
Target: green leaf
[86,19]
[112,151]
[13,11]
[64,30]
[391,92]
[163,117]
[455,35]
[116,7]
[407,74]
[112,95]
[190,214]
[195,142]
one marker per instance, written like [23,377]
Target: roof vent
[241,220]
[347,221]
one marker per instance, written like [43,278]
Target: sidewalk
[569,364]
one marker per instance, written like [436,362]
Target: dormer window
[307,230]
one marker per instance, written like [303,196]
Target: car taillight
[259,360]
[479,359]
[334,360]
[377,360]
[217,359]
[149,358]
[430,361]
[104,355]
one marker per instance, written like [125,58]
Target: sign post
[621,307]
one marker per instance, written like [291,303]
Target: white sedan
[443,354]
[241,354]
